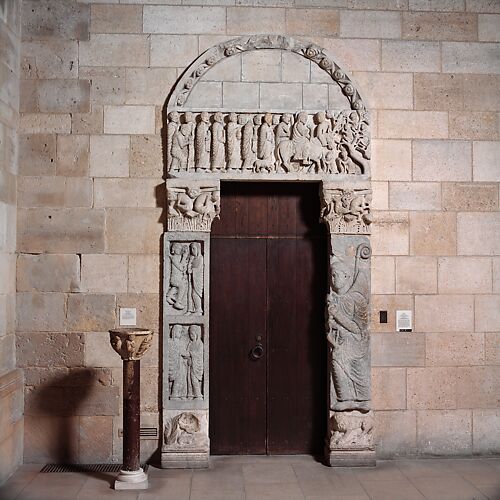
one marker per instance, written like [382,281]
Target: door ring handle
[256,352]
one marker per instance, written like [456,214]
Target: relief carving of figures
[217,159]
[351,429]
[184,431]
[347,318]
[233,143]
[192,208]
[185,292]
[346,211]
[185,358]
[265,145]
[321,143]
[202,143]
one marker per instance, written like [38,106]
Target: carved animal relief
[185,362]
[185,278]
[184,431]
[346,211]
[192,208]
[323,143]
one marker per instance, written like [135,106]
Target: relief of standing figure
[265,145]
[202,143]
[177,365]
[195,363]
[172,127]
[177,293]
[190,128]
[247,153]
[233,144]
[195,275]
[218,152]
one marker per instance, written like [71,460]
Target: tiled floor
[276,478]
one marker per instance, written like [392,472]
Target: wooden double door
[268,280]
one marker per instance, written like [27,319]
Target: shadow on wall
[70,418]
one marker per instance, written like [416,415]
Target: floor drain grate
[86,468]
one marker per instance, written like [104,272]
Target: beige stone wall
[95,77]
[11,385]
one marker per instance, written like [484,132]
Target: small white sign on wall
[128,316]
[404,321]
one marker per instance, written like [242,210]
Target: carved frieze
[185,290]
[185,362]
[192,207]
[320,143]
[346,210]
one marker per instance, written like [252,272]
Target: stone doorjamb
[204,147]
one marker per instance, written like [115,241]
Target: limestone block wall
[94,80]
[11,384]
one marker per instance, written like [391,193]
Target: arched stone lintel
[220,52]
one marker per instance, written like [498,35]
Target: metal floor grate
[86,468]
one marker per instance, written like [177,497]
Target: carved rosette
[346,210]
[131,343]
[192,205]
[220,52]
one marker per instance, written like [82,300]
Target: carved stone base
[131,480]
[185,460]
[350,458]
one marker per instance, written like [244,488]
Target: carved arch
[221,51]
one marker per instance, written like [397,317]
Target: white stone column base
[131,480]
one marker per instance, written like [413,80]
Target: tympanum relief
[192,207]
[185,278]
[185,362]
[321,143]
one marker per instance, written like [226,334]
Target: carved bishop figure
[202,143]
[232,143]
[218,151]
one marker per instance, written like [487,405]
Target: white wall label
[404,321]
[128,316]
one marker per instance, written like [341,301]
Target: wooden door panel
[296,404]
[268,277]
[237,315]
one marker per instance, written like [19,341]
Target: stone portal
[331,147]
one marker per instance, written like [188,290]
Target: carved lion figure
[351,429]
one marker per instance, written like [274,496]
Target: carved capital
[346,209]
[131,343]
[192,205]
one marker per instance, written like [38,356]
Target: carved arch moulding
[207,146]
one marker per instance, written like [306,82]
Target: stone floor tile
[392,490]
[273,491]
[385,471]
[345,483]
[447,488]
[269,473]
[494,462]
[168,473]
[172,488]
[223,478]
[217,495]
[23,476]
[426,468]
[470,466]
[53,486]
[320,487]
[485,478]
[491,492]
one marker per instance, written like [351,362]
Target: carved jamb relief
[185,278]
[347,331]
[192,206]
[185,362]
[322,143]
[185,431]
[346,210]
[249,43]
